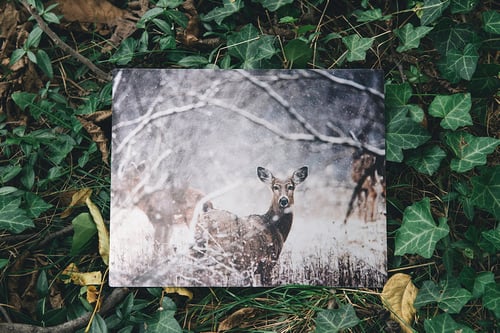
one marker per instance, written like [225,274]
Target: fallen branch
[101,75]
[111,302]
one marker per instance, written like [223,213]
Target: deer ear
[300,175]
[264,175]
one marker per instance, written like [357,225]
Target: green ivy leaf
[370,15]
[449,296]
[448,36]
[402,133]
[463,6]
[418,232]
[357,47]
[125,52]
[12,217]
[459,64]
[491,22]
[218,14]
[445,324]
[164,320]
[298,53]
[470,151]
[427,160]
[397,94]
[35,205]
[480,282]
[486,190]
[492,236]
[485,81]
[331,321]
[453,109]
[491,298]
[250,47]
[84,230]
[432,10]
[273,5]
[410,36]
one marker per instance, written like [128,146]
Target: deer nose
[283,202]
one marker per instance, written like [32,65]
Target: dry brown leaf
[398,297]
[98,136]
[81,279]
[92,11]
[9,20]
[102,231]
[238,319]
[78,198]
[178,290]
[92,294]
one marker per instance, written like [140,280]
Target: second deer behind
[248,246]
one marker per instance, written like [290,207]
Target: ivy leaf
[459,64]
[449,296]
[250,47]
[332,321]
[463,6]
[35,205]
[445,324]
[164,320]
[410,36]
[402,133]
[418,232]
[273,5]
[12,217]
[298,53]
[218,14]
[397,94]
[427,160]
[470,151]
[482,279]
[491,22]
[453,109]
[448,36]
[486,190]
[432,10]
[357,47]
[492,236]
[125,52]
[491,298]
[370,15]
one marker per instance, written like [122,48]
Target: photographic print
[238,178]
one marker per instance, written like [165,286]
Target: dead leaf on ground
[92,294]
[98,136]
[102,231]
[398,296]
[180,291]
[72,274]
[77,198]
[238,319]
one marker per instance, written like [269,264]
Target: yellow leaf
[398,296]
[102,231]
[81,279]
[181,291]
[78,198]
[92,294]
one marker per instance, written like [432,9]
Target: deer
[367,170]
[251,244]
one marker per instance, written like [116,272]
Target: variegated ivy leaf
[470,151]
[357,47]
[427,160]
[410,36]
[453,109]
[449,296]
[418,232]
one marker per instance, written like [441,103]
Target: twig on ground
[65,47]
[116,296]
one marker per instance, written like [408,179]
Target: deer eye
[291,187]
[276,187]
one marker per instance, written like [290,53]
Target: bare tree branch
[350,83]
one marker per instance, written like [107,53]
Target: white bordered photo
[238,178]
